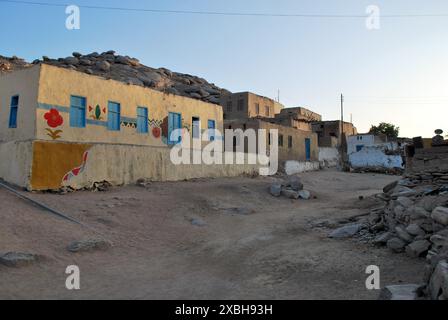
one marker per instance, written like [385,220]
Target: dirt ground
[252,246]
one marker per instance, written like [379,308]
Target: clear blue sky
[397,74]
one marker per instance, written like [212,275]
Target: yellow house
[60,127]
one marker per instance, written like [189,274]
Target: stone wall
[431,159]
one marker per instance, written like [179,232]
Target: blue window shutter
[113,117]
[142,120]
[174,122]
[211,129]
[13,112]
[77,112]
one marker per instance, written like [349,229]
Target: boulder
[305,194]
[76,54]
[418,248]
[438,285]
[276,190]
[88,245]
[391,186]
[401,232]
[396,245]
[400,292]
[414,230]
[289,193]
[18,259]
[294,183]
[103,66]
[382,238]
[71,60]
[440,215]
[346,231]
[405,202]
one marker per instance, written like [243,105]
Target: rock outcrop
[129,70]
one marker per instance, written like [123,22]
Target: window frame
[110,124]
[74,110]
[211,130]
[13,112]
[145,128]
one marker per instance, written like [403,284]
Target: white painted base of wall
[15,162]
[328,157]
[294,167]
[375,157]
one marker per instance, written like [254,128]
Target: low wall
[15,162]
[374,157]
[328,157]
[294,167]
[431,159]
[81,165]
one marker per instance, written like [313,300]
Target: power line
[224,13]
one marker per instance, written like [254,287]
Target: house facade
[59,127]
[244,105]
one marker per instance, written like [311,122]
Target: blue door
[308,149]
[174,123]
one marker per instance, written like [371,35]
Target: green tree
[390,130]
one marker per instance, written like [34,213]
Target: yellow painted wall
[24,84]
[57,85]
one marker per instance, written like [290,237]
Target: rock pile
[291,188]
[415,221]
[129,70]
[10,64]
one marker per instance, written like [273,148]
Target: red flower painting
[54,118]
[156,132]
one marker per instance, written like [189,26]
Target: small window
[113,116]
[289,142]
[211,129]
[257,109]
[229,106]
[13,112]
[174,123]
[142,120]
[280,140]
[240,105]
[77,112]
[267,111]
[196,122]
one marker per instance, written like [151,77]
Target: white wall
[294,167]
[374,157]
[328,157]
[357,140]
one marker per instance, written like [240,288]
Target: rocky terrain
[129,70]
[413,221]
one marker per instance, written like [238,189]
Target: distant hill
[129,70]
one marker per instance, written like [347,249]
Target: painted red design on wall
[54,118]
[78,170]
[156,132]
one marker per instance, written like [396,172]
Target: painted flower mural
[54,120]
[97,112]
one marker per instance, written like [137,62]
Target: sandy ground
[157,253]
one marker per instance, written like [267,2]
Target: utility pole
[342,116]
[344,165]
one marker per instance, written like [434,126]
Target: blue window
[142,120]
[113,116]
[196,127]
[211,129]
[77,112]
[174,123]
[13,112]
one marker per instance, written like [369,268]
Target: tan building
[293,144]
[329,132]
[299,118]
[60,127]
[245,105]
